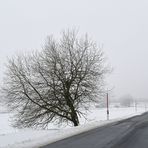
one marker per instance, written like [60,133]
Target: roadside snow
[28,138]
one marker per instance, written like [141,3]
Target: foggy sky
[121,26]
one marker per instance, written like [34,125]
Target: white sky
[121,25]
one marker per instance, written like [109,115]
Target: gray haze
[121,26]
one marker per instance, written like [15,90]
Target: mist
[120,26]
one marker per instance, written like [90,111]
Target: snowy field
[29,138]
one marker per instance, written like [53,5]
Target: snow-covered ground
[29,138]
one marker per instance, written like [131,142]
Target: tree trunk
[75,119]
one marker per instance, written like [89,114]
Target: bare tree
[56,83]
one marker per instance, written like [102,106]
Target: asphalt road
[138,138]
[129,133]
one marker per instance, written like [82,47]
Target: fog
[120,26]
